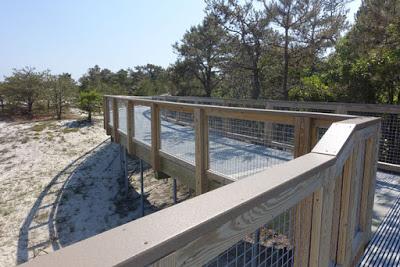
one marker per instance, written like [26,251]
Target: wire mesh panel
[142,124]
[110,112]
[270,245]
[239,148]
[178,134]
[389,143]
[122,116]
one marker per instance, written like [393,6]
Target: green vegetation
[89,101]
[296,49]
[39,127]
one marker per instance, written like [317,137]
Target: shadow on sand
[87,197]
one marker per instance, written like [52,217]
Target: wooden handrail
[338,107]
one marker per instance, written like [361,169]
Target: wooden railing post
[155,136]
[201,151]
[106,115]
[268,127]
[130,127]
[345,237]
[115,120]
[369,182]
[303,211]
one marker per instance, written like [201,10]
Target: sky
[74,35]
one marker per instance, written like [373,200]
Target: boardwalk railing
[389,151]
[315,209]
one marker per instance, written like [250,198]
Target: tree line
[282,49]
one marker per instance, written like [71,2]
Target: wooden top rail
[333,106]
[195,231]
[279,116]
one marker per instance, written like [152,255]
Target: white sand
[61,183]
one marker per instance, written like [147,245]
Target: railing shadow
[87,197]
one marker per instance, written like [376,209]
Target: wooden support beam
[105,113]
[321,235]
[115,120]
[369,183]
[336,217]
[345,237]
[302,231]
[155,137]
[268,126]
[130,126]
[201,151]
[302,136]
[304,209]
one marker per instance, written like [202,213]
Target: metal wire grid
[178,134]
[320,132]
[270,245]
[110,112]
[122,116]
[238,148]
[142,125]
[389,144]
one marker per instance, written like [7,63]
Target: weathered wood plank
[201,150]
[130,125]
[344,238]
[302,235]
[115,120]
[302,136]
[155,136]
[336,217]
[369,182]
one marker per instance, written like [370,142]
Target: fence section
[313,210]
[389,144]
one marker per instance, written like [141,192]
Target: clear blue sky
[72,35]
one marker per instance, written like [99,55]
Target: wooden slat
[115,120]
[302,135]
[105,112]
[344,237]
[201,150]
[155,137]
[336,217]
[302,235]
[368,190]
[130,125]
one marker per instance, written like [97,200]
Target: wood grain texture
[155,136]
[336,217]
[130,125]
[201,150]
[302,235]
[115,120]
[343,253]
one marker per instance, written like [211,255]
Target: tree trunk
[255,93]
[59,110]
[208,87]
[89,115]
[30,107]
[286,66]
